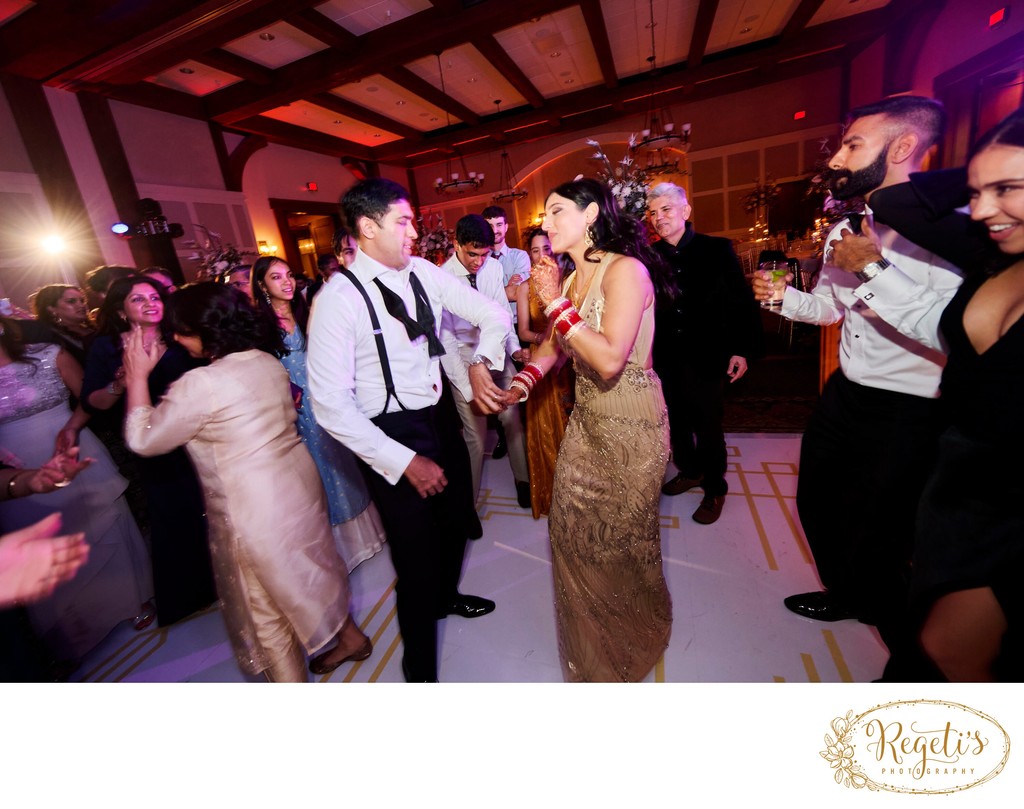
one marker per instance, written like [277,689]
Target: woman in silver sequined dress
[612,605]
[116,581]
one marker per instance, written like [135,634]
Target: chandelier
[457,182]
[507,182]
[661,147]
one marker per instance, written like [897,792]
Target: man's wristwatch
[479,360]
[869,271]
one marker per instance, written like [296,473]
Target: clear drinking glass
[772,271]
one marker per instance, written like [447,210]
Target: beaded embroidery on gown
[612,605]
[355,522]
[117,578]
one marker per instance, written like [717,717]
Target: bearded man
[870,443]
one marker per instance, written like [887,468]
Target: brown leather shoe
[679,484]
[710,509]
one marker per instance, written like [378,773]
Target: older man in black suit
[705,336]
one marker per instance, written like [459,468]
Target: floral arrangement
[627,181]
[215,257]
[762,197]
[435,239]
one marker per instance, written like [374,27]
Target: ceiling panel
[470,79]
[275,45]
[310,116]
[361,16]
[554,51]
[837,9]
[384,96]
[740,22]
[194,78]
[629,32]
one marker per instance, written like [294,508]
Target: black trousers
[426,536]
[695,414]
[864,460]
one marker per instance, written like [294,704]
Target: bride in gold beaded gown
[613,610]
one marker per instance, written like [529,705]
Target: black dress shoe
[523,494]
[468,607]
[408,675]
[821,606]
[500,449]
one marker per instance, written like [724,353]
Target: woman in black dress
[182,576]
[970,543]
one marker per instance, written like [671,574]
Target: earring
[588,236]
[266,296]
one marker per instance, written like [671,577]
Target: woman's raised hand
[547,279]
[139,363]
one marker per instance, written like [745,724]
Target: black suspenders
[385,366]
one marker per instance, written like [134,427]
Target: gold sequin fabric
[613,609]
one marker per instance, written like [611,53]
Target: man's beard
[845,184]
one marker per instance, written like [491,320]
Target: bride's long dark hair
[615,231]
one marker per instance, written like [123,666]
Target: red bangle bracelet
[557,306]
[568,321]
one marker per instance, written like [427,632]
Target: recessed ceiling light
[471,80]
[186,70]
[399,103]
[570,81]
[555,54]
[266,36]
[337,120]
[435,118]
[746,30]
[376,134]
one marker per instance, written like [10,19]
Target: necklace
[579,301]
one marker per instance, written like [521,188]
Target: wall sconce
[266,249]
[306,246]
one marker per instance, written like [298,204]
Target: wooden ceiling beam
[364,115]
[701,32]
[152,96]
[828,46]
[229,62]
[422,88]
[803,15]
[312,22]
[423,34]
[302,138]
[200,28]
[510,71]
[598,31]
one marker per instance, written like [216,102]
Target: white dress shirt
[512,260]
[460,337]
[346,385]
[871,351]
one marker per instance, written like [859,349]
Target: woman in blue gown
[355,523]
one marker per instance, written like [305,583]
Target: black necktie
[472,279]
[424,322]
[496,255]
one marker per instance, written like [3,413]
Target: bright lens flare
[53,244]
